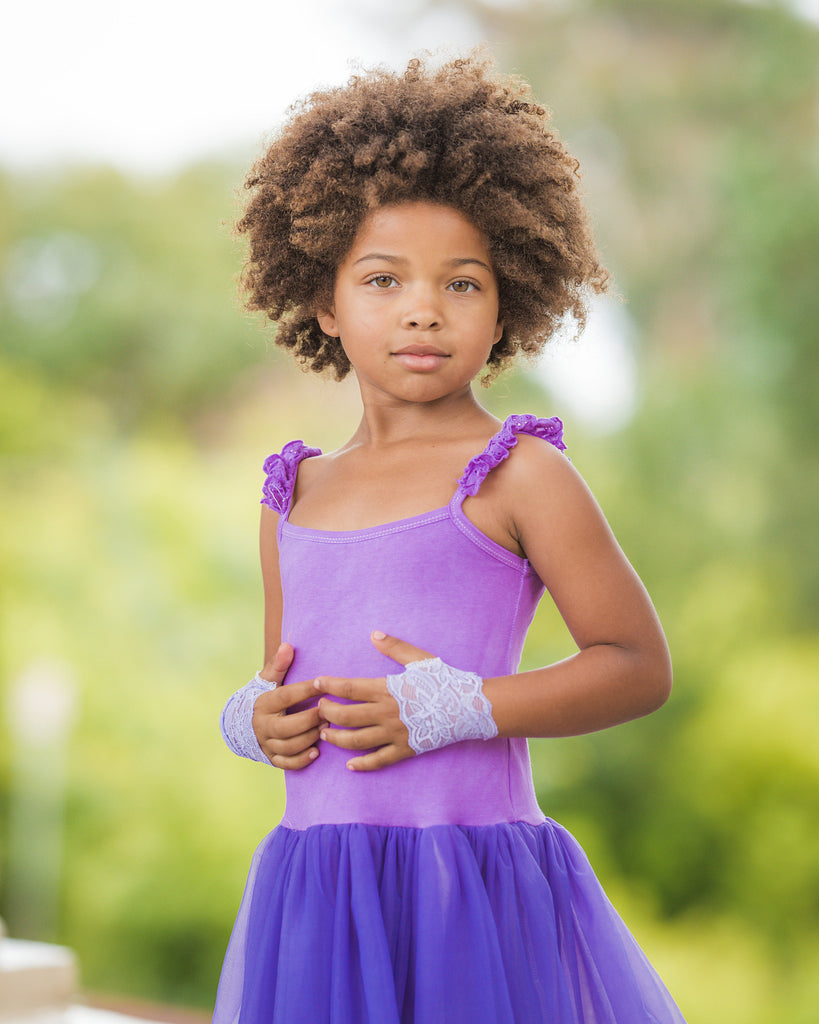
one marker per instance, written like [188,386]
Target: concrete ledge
[39,985]
[35,978]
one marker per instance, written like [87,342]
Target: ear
[328,323]
[498,332]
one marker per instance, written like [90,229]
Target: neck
[391,422]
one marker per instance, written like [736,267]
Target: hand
[289,741]
[374,720]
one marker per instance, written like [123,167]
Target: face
[415,303]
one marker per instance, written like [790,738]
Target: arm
[622,669]
[255,722]
[272,586]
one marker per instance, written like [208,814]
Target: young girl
[421,230]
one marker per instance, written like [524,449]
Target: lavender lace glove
[440,705]
[236,721]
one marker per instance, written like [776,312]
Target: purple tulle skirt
[489,924]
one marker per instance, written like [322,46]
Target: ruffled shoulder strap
[280,474]
[503,442]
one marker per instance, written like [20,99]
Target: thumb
[275,670]
[398,650]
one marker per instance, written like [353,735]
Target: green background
[139,402]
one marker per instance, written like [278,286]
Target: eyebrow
[457,261]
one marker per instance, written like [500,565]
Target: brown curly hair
[461,135]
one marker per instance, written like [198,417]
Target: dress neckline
[282,470]
[392,526]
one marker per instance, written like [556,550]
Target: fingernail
[323,734]
[378,635]
[313,754]
[317,683]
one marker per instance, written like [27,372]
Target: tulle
[490,924]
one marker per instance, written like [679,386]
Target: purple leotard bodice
[436,581]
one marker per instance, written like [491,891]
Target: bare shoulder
[315,465]
[309,471]
[536,476]
[548,506]
[533,455]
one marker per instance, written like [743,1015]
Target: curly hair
[461,135]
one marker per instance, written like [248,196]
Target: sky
[149,86]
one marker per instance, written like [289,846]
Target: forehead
[420,228]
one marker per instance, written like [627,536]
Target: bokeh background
[138,402]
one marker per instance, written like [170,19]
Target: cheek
[362,325]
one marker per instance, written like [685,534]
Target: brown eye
[462,286]
[381,281]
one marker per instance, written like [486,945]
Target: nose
[422,312]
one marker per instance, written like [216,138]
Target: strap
[281,469]
[503,442]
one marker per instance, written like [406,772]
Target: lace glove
[236,721]
[440,705]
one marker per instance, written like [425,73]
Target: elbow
[658,682]
[647,678]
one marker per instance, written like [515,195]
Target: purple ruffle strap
[281,469]
[503,442]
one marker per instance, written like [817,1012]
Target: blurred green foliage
[138,404]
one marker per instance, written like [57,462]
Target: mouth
[419,350]
[423,358]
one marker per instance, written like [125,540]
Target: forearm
[600,686]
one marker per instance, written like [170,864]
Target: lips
[419,350]
[420,357]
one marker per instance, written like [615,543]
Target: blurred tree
[124,289]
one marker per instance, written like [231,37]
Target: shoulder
[536,472]
[514,485]
[501,444]
[541,497]
[553,514]
[527,450]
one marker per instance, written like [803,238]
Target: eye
[382,280]
[462,287]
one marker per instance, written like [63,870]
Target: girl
[421,230]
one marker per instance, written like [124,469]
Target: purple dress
[432,890]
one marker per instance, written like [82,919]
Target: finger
[283,699]
[302,760]
[398,650]
[291,694]
[380,758]
[349,716]
[355,739]
[285,727]
[293,745]
[350,689]
[276,670]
